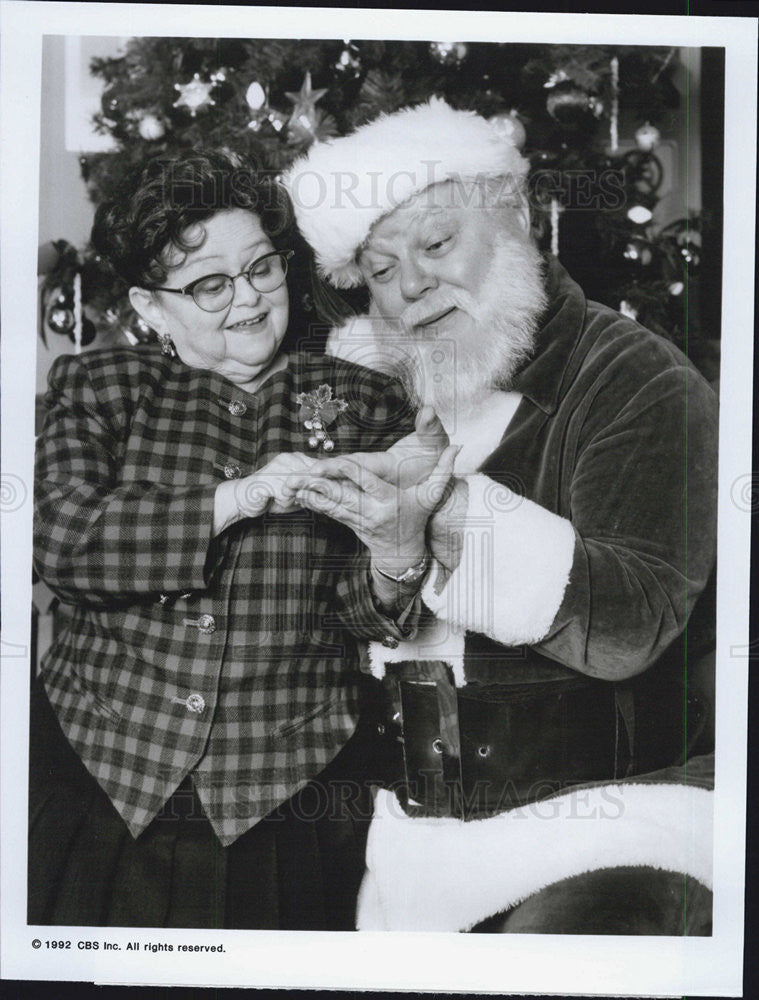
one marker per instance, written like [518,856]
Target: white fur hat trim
[340,188]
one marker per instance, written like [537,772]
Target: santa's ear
[147,307]
[521,209]
[508,195]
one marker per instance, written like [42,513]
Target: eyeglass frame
[188,289]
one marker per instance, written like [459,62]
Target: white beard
[454,371]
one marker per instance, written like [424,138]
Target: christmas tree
[593,198]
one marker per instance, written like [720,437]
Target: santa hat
[342,187]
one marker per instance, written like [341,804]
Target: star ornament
[305,99]
[194,95]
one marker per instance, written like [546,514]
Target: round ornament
[60,316]
[151,128]
[255,96]
[647,137]
[60,320]
[569,105]
[640,215]
[449,53]
[676,288]
[509,127]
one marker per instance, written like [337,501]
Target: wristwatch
[411,575]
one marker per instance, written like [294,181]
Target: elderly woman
[201,729]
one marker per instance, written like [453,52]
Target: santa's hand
[409,462]
[389,520]
[445,529]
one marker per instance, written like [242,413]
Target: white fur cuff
[448,875]
[438,640]
[514,567]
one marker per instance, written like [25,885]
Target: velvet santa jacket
[591,524]
[616,436]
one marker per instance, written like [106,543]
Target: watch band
[411,575]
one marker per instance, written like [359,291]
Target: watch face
[411,575]
[414,573]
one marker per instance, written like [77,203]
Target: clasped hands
[393,500]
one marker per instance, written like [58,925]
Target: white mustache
[436,305]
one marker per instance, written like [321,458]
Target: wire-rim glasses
[214,292]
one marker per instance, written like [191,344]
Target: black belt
[480,749]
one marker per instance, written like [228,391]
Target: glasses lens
[268,273]
[213,293]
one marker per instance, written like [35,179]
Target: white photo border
[533,964]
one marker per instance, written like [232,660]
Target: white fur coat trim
[514,568]
[479,436]
[437,641]
[448,875]
[355,341]
[341,187]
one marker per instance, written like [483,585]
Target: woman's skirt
[298,869]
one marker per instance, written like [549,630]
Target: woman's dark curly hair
[133,231]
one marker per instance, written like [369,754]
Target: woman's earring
[167,347]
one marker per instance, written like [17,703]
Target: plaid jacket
[232,658]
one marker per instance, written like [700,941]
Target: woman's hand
[269,490]
[390,520]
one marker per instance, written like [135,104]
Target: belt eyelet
[437,745]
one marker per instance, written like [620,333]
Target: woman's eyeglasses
[214,292]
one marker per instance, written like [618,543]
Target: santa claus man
[552,707]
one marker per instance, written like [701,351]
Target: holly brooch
[317,411]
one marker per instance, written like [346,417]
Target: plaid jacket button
[207,624]
[390,642]
[237,408]
[195,703]
[232,471]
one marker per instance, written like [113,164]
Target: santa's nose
[416,280]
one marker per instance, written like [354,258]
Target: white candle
[77,313]
[554,227]
[614,123]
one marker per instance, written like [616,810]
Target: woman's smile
[251,323]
